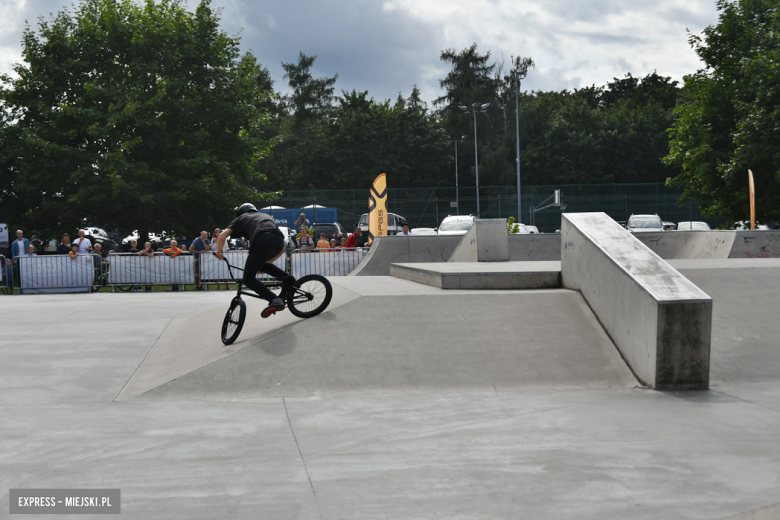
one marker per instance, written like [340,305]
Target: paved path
[499,404]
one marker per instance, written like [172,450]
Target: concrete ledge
[486,241]
[659,320]
[465,275]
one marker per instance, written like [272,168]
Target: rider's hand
[220,255]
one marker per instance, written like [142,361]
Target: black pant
[261,250]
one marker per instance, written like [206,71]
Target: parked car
[520,229]
[533,229]
[644,223]
[289,239]
[693,226]
[669,226]
[456,224]
[157,240]
[423,231]
[334,230]
[745,226]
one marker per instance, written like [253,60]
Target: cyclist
[266,245]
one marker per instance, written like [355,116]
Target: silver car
[644,223]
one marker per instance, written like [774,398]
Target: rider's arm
[221,241]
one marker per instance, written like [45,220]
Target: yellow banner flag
[377,209]
[752,188]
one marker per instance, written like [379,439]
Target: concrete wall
[485,241]
[657,318]
[535,248]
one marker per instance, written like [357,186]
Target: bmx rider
[266,245]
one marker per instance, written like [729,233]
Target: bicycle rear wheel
[310,296]
[234,321]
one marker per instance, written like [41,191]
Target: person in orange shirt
[323,243]
[173,252]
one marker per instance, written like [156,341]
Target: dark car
[334,230]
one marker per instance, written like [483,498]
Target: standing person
[85,246]
[405,230]
[353,238]
[343,244]
[323,243]
[147,252]
[305,241]
[18,248]
[31,250]
[64,247]
[333,243]
[199,246]
[302,221]
[133,251]
[266,245]
[225,249]
[173,252]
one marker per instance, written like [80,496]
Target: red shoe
[276,305]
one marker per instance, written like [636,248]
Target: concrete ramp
[394,249]
[191,343]
[421,344]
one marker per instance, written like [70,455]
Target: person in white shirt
[85,246]
[405,231]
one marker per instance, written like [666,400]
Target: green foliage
[728,121]
[511,227]
[132,116]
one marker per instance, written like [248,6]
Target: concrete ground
[462,404]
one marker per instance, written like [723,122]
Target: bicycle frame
[241,283]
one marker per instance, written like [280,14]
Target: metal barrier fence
[59,273]
[213,271]
[131,269]
[427,207]
[6,274]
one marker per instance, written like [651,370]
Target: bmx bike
[307,297]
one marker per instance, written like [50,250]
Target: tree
[131,116]
[728,121]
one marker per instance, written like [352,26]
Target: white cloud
[388,47]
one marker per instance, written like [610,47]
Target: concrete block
[659,320]
[486,241]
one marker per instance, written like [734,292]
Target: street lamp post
[476,107]
[457,199]
[520,72]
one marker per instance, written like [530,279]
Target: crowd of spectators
[305,241]
[202,244]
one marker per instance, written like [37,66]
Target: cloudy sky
[387,46]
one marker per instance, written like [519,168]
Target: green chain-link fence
[426,207]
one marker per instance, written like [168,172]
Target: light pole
[520,72]
[457,200]
[476,107]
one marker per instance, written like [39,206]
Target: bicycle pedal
[268,311]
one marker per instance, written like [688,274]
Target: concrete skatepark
[402,400]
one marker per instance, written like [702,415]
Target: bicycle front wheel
[310,296]
[234,321]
